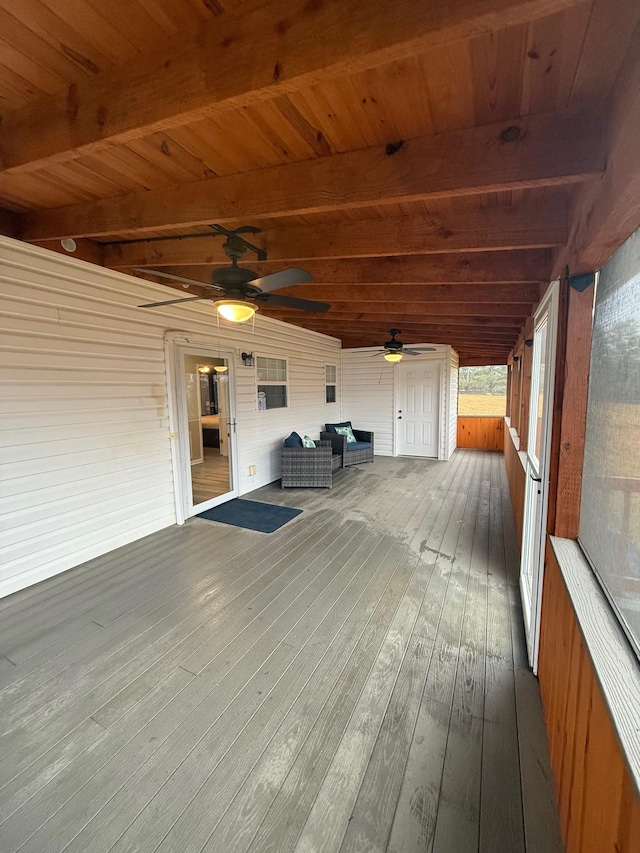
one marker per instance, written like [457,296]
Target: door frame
[175,345]
[437,357]
[536,497]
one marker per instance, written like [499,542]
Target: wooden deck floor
[353,682]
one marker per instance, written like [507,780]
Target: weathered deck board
[354,682]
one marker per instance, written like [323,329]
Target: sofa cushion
[359,445]
[293,440]
[308,442]
[332,427]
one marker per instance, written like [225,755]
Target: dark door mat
[253,515]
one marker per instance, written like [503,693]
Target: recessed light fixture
[68,244]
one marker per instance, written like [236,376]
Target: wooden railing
[477,432]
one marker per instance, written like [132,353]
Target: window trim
[273,382]
[328,384]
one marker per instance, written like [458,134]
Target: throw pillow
[333,427]
[308,442]
[346,430]
[293,440]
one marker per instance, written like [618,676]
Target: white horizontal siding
[368,396]
[85,462]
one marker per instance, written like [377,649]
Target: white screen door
[417,415]
[537,467]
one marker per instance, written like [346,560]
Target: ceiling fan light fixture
[393,356]
[234,310]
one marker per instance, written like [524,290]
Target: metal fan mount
[242,284]
[394,346]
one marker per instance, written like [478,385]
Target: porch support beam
[433,242]
[538,150]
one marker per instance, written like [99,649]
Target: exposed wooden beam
[371,295]
[410,332]
[385,321]
[244,57]
[478,269]
[539,150]
[416,310]
[86,250]
[498,228]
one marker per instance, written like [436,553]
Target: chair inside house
[352,445]
[308,466]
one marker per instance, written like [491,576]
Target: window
[482,391]
[610,505]
[330,373]
[272,383]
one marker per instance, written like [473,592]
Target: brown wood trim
[598,805]
[481,433]
[516,479]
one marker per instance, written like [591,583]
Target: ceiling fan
[393,350]
[235,290]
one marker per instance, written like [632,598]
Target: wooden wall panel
[516,479]
[481,433]
[598,805]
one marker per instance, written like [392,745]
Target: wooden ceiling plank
[229,64]
[540,150]
[62,35]
[607,213]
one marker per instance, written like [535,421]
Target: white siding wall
[86,461]
[369,395]
[453,402]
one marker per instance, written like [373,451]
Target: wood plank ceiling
[420,159]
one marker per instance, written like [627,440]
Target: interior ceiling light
[393,356]
[204,369]
[68,244]
[220,368]
[234,310]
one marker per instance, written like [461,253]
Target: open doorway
[207,390]
[203,427]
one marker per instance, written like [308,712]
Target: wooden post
[573,353]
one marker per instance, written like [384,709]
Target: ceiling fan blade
[173,301]
[417,350]
[292,302]
[176,278]
[284,278]
[377,353]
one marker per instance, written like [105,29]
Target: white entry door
[417,412]
[537,468]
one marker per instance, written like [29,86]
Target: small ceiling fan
[393,350]
[236,290]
